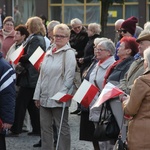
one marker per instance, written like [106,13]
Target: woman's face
[60,38]
[124,32]
[18,37]
[123,51]
[77,28]
[8,26]
[101,53]
[90,32]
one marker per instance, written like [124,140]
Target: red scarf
[109,70]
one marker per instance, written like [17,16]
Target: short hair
[52,24]
[62,27]
[98,40]
[147,57]
[130,42]
[95,27]
[75,21]
[8,18]
[35,25]
[23,30]
[108,45]
[147,25]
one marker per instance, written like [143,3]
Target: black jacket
[30,75]
[79,41]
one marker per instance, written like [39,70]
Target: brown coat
[138,106]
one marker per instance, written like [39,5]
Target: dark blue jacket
[7,91]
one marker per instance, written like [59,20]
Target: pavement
[25,142]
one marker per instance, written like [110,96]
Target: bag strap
[63,62]
[101,112]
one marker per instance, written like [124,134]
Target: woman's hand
[123,97]
[37,103]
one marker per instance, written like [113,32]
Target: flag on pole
[16,55]
[85,93]
[62,97]
[109,91]
[37,57]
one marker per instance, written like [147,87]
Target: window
[90,10]
[65,10]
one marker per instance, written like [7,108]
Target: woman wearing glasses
[56,75]
[104,52]
[128,28]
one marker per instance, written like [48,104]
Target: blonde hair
[95,28]
[35,25]
[62,27]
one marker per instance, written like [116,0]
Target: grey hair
[95,27]
[52,24]
[108,45]
[98,40]
[75,21]
[147,57]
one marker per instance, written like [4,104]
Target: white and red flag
[108,92]
[85,93]
[62,97]
[37,57]
[16,55]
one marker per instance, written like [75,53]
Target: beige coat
[52,79]
[136,69]
[138,106]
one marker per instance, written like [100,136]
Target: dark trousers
[2,142]
[25,101]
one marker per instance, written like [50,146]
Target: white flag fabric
[108,92]
[37,57]
[85,93]
[62,97]
[16,55]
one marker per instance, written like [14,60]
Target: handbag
[107,127]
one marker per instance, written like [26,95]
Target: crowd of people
[124,62]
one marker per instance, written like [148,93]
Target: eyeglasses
[60,36]
[124,31]
[75,28]
[99,50]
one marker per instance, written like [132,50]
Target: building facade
[86,10]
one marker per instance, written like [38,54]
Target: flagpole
[62,115]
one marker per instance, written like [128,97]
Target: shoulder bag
[107,127]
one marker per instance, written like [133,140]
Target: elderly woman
[93,31]
[28,78]
[7,34]
[126,51]
[20,37]
[137,106]
[104,52]
[78,37]
[56,75]
[78,41]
